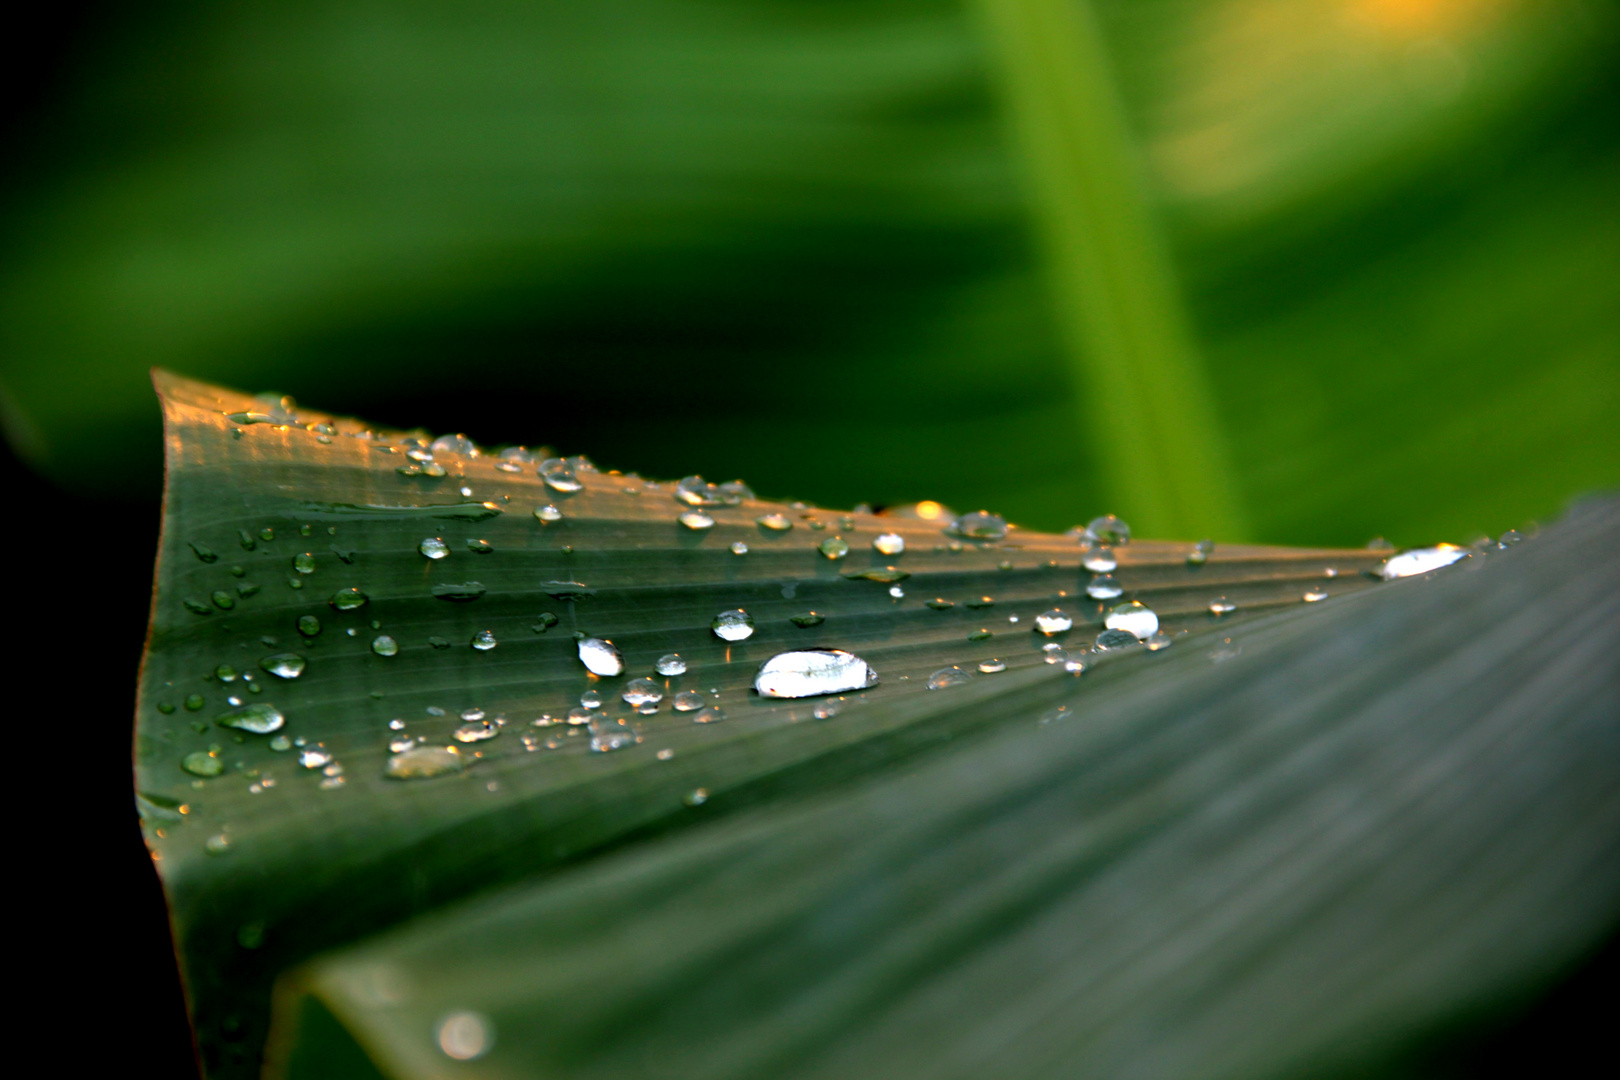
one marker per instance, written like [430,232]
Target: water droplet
[1221,606]
[889,544]
[463,592]
[204,552]
[670,664]
[1103,587]
[1158,641]
[1116,639]
[980,635]
[709,714]
[696,520]
[580,714]
[348,599]
[1133,616]
[1378,543]
[383,645]
[1421,560]
[733,625]
[424,762]
[1107,529]
[609,735]
[202,763]
[834,547]
[225,673]
[882,574]
[484,640]
[980,602]
[223,600]
[217,844]
[687,700]
[665,754]
[696,797]
[314,757]
[480,547]
[454,444]
[1512,536]
[1100,560]
[980,525]
[261,718]
[897,592]
[1313,595]
[600,657]
[476,731]
[948,677]
[1054,621]
[474,713]
[558,476]
[813,672]
[547,514]
[280,743]
[694,491]
[739,548]
[304,563]
[990,667]
[396,725]
[1199,555]
[941,604]
[733,492]
[774,522]
[642,692]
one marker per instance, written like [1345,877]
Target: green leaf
[296,600]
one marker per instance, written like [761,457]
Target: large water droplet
[1133,616]
[687,700]
[889,544]
[261,718]
[1100,560]
[980,525]
[484,640]
[733,625]
[812,672]
[434,548]
[774,522]
[1422,560]
[383,645]
[424,762]
[600,657]
[834,547]
[558,476]
[348,599]
[1054,621]
[1104,587]
[202,763]
[642,692]
[1107,529]
[948,677]
[696,520]
[670,664]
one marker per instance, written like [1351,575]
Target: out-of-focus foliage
[791,239]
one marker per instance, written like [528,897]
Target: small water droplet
[201,763]
[642,691]
[1221,606]
[709,714]
[480,547]
[1421,560]
[687,700]
[314,757]
[834,547]
[204,552]
[948,677]
[1053,653]
[1133,616]
[739,548]
[1100,560]
[304,562]
[348,599]
[990,667]
[609,735]
[1378,543]
[978,603]
[218,844]
[897,592]
[1199,555]
[1512,536]
[696,520]
[454,444]
[547,514]
[1054,621]
[476,731]
[695,491]
[696,797]
[383,645]
[1116,639]
[261,718]
[774,522]
[1103,587]
[424,762]
[1313,595]
[484,640]
[941,604]
[665,754]
[400,743]
[223,600]
[600,657]
[1107,529]
[1159,641]
[813,672]
[980,635]
[733,625]
[225,673]
[591,699]
[980,525]
[888,543]
[558,476]
[670,664]
[461,592]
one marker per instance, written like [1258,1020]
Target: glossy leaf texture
[1311,847]
[303,632]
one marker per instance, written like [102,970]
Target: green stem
[1148,409]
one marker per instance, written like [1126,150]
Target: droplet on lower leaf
[424,762]
[600,657]
[812,672]
[1421,560]
[1054,621]
[980,525]
[1133,616]
[949,676]
[733,625]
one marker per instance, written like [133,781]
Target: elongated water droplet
[642,692]
[1158,641]
[1100,560]
[1053,653]
[424,762]
[774,522]
[696,520]
[462,592]
[733,492]
[990,667]
[1133,616]
[202,763]
[948,677]
[980,525]
[223,600]
[670,664]
[889,544]
[687,700]
[261,718]
[980,602]
[733,625]
[1313,595]
[834,547]
[304,563]
[581,714]
[558,476]
[348,599]
[807,619]
[1107,529]
[383,645]
[480,547]
[600,657]
[1116,639]
[219,844]
[1421,560]
[484,640]
[813,672]
[1103,587]
[884,575]
[1054,621]
[1221,606]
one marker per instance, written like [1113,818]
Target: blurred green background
[799,241]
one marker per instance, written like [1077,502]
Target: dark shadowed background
[797,242]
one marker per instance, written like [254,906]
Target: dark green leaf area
[1289,853]
[298,830]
